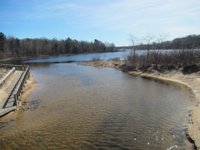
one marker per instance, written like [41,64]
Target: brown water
[80,107]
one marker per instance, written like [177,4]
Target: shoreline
[190,82]
[182,81]
[111,63]
[13,58]
[26,92]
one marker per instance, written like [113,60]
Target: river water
[121,55]
[82,107]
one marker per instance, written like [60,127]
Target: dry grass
[174,60]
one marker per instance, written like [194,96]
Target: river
[82,107]
[121,55]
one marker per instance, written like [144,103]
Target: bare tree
[148,40]
[160,39]
[133,51]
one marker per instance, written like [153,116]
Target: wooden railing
[19,86]
[24,77]
[3,80]
[10,66]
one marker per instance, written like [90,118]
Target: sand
[29,86]
[110,63]
[189,81]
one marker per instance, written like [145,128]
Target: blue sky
[106,20]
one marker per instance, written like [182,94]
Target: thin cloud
[174,17]
[119,14]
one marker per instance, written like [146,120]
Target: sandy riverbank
[189,81]
[111,63]
[26,92]
[30,84]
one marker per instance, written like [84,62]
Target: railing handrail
[18,67]
[6,76]
[25,73]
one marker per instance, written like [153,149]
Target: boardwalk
[9,90]
[2,72]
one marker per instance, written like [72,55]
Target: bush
[162,61]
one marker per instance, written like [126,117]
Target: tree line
[15,47]
[188,42]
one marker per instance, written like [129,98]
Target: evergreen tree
[2,41]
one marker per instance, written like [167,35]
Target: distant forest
[14,47]
[188,42]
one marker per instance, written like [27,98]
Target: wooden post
[15,98]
